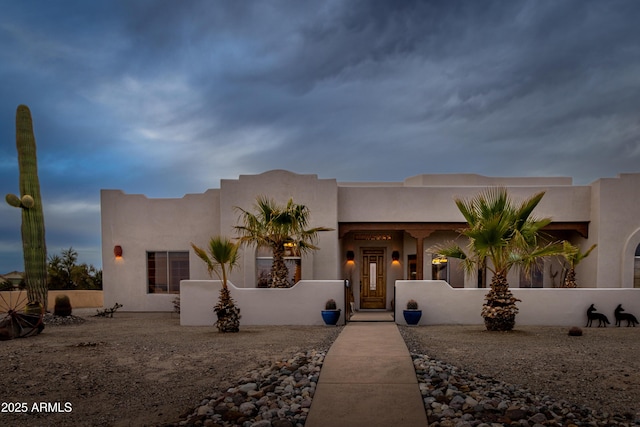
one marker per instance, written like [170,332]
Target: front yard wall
[298,305]
[441,304]
[79,299]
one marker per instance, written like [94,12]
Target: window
[440,268]
[165,270]
[636,268]
[264,261]
[533,278]
[412,267]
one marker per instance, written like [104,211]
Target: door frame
[377,302]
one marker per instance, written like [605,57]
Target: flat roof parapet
[474,180]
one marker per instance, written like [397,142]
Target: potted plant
[331,314]
[412,315]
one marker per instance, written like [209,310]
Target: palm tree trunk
[499,310]
[570,280]
[228,313]
[279,270]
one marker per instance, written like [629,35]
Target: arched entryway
[631,261]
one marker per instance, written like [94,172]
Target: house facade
[382,233]
[14,278]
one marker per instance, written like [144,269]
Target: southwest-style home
[382,233]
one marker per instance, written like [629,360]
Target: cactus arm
[14,200]
[26,202]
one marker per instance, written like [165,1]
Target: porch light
[395,257]
[439,260]
[117,251]
[350,256]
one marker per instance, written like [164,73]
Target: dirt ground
[146,370]
[600,369]
[134,369]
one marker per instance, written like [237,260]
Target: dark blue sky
[168,97]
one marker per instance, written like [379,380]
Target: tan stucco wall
[391,204]
[442,305]
[140,224]
[319,195]
[615,227]
[298,305]
[78,299]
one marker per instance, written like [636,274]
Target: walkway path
[367,379]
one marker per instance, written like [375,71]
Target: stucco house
[382,233]
[14,278]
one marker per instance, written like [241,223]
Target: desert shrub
[62,306]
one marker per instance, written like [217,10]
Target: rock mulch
[274,396]
[459,397]
[454,397]
[280,395]
[53,320]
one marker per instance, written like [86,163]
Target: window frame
[173,271]
[264,262]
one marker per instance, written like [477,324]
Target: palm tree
[573,255]
[221,258]
[275,226]
[501,236]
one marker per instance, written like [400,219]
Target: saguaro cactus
[33,242]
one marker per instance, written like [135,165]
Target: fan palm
[275,226]
[501,235]
[573,255]
[221,258]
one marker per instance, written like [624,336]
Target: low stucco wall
[79,299]
[442,304]
[298,305]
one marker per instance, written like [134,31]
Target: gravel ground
[146,370]
[135,369]
[600,369]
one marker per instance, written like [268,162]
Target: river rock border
[454,397]
[274,396]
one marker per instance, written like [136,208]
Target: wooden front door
[373,287]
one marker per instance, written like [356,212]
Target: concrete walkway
[367,379]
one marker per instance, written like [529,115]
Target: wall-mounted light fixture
[351,256]
[117,251]
[395,257]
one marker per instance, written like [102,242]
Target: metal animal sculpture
[620,316]
[592,315]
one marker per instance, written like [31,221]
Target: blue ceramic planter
[330,317]
[412,317]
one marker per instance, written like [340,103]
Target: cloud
[166,98]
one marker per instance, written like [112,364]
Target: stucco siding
[617,226]
[139,224]
[436,204]
[319,195]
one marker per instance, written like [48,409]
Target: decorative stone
[247,408]
[245,388]
[575,331]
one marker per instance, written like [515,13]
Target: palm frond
[222,256]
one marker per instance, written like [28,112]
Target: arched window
[636,268]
